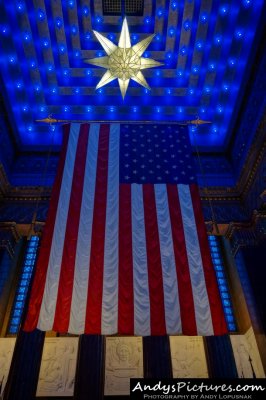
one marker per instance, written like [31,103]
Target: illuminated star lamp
[123,62]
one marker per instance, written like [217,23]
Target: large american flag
[124,248]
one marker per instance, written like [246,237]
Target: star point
[123,62]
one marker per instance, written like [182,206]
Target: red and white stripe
[121,258]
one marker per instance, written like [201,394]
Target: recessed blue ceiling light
[54,90]
[62,48]
[171,31]
[134,37]
[225,87]
[25,108]
[59,22]
[212,66]
[239,34]
[180,73]
[207,89]
[169,55]
[174,5]
[88,72]
[52,128]
[180,110]
[160,12]
[66,108]
[33,64]
[41,15]
[157,72]
[112,109]
[71,3]
[246,3]
[187,25]
[77,53]
[146,91]
[42,109]
[183,51]
[146,54]
[74,29]
[191,91]
[100,91]
[214,129]
[219,109]
[224,9]
[99,53]
[98,19]
[111,37]
[158,37]
[204,18]
[85,11]
[231,62]
[199,45]
[218,39]
[50,67]
[37,87]
[89,109]
[20,6]
[158,109]
[65,72]
[12,60]
[195,69]
[19,85]
[202,110]
[45,43]
[26,36]
[5,29]
[87,35]
[77,90]
[169,91]
[147,20]
[29,128]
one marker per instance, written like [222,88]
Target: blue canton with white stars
[155,154]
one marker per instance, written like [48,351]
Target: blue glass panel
[220,274]
[225,295]
[28,265]
[232,327]
[223,288]
[17,312]
[221,281]
[229,318]
[19,304]
[13,329]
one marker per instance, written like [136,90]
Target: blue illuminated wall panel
[23,285]
[218,263]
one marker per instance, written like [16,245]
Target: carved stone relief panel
[123,360]
[247,356]
[58,367]
[188,357]
[6,352]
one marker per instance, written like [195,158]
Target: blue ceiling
[206,46]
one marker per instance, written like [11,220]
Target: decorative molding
[247,234]
[9,236]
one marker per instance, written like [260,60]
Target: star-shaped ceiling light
[124,61]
